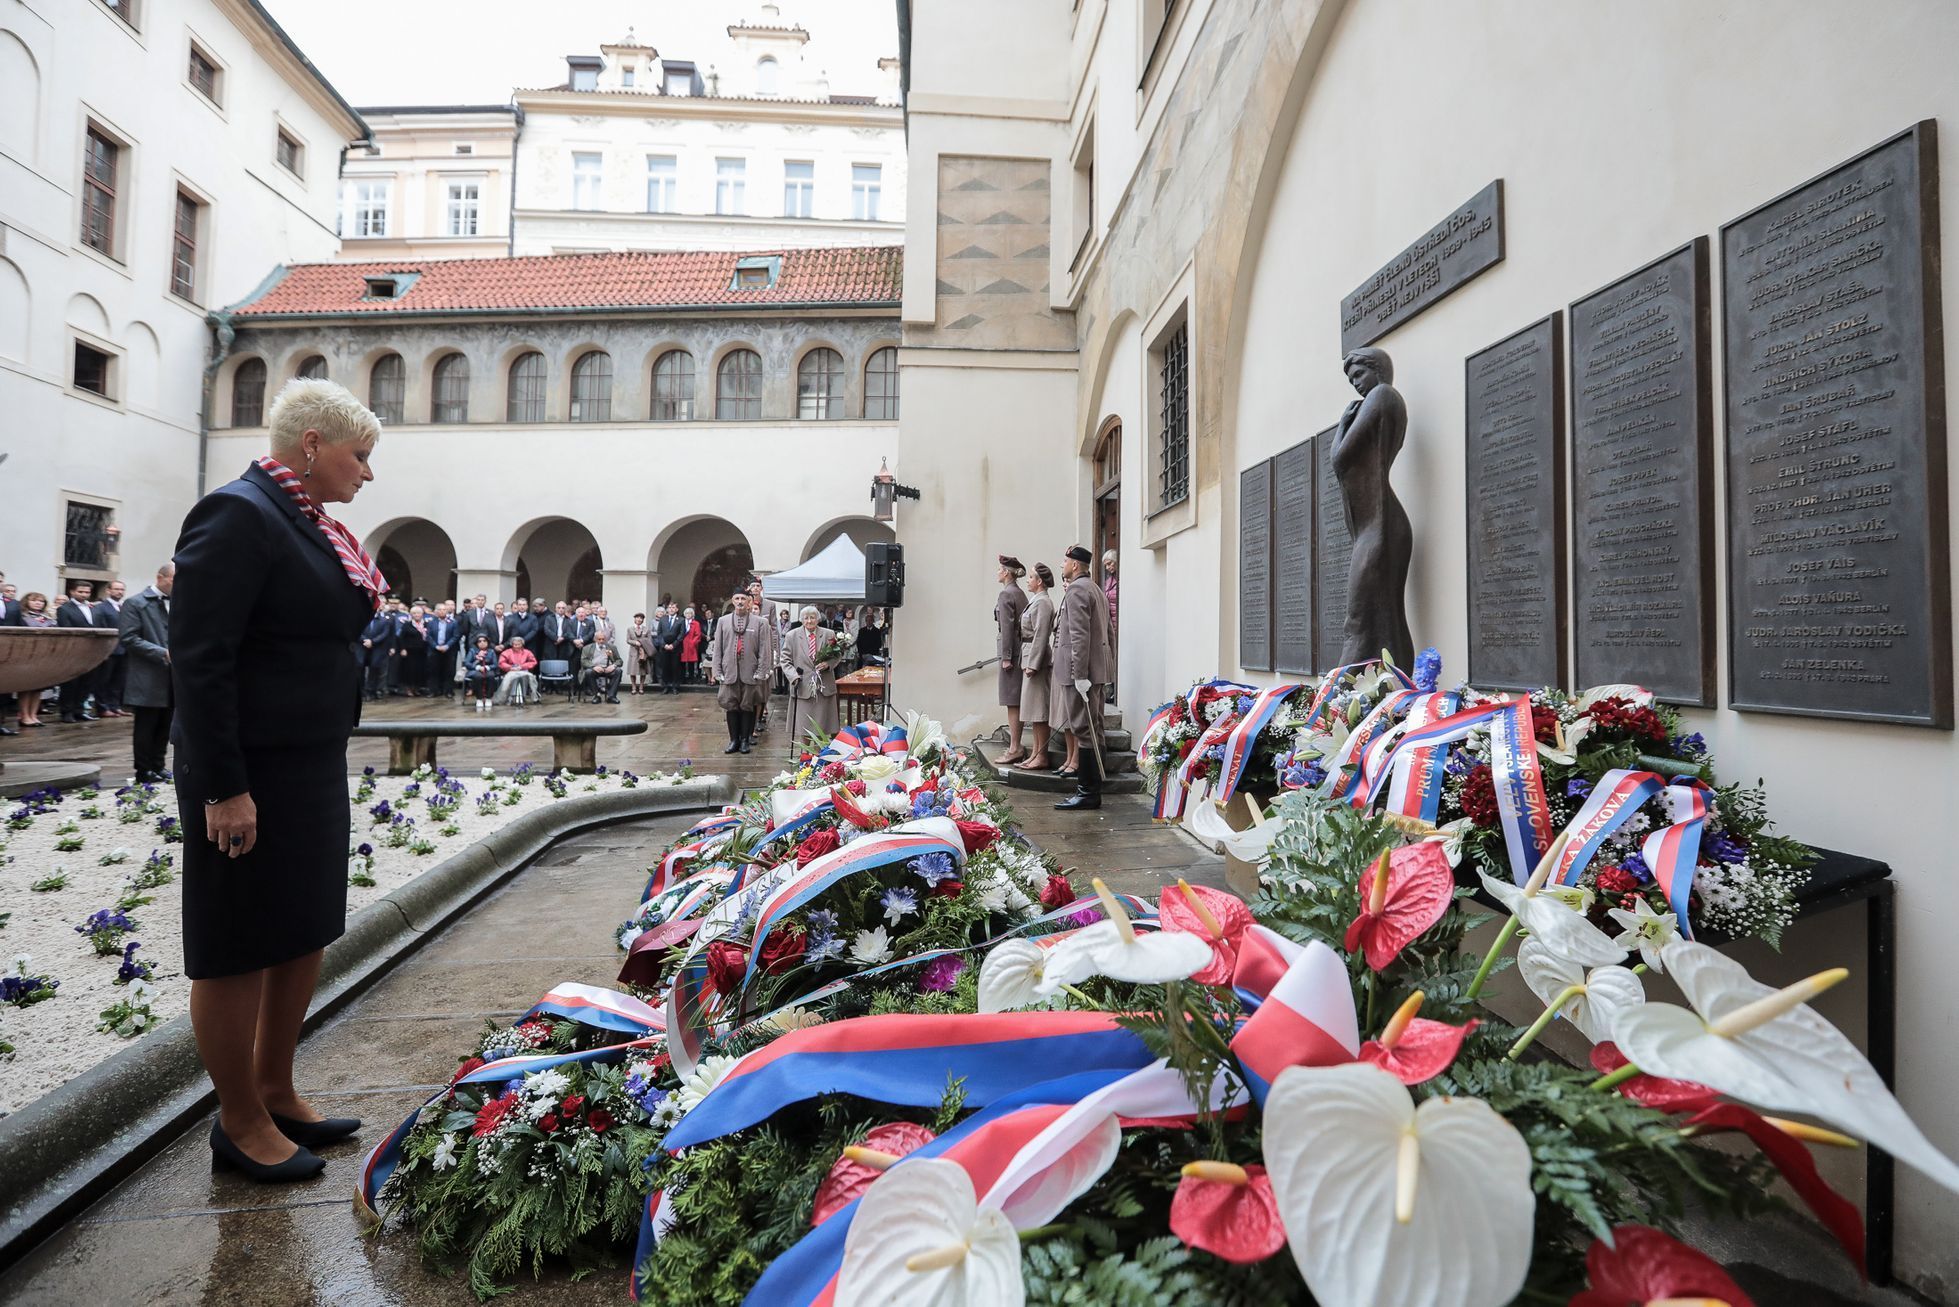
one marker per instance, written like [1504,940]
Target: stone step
[1116,742]
[1123,777]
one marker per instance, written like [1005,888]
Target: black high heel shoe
[227,1156]
[317,1134]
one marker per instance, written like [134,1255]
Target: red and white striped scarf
[360,568]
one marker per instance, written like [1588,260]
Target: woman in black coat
[270,600]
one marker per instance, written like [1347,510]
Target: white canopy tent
[836,573]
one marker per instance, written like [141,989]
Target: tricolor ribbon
[1519,782]
[1344,770]
[853,742]
[1671,852]
[602,1009]
[1307,1019]
[1174,788]
[1244,736]
[1415,788]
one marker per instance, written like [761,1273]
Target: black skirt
[288,896]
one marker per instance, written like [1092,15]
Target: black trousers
[74,695]
[114,675]
[668,662]
[442,673]
[149,738]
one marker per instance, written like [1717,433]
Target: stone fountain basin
[36,658]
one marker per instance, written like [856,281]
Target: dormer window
[389,285]
[766,71]
[756,272]
[626,75]
[584,71]
[680,81]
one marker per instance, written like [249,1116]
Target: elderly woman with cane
[812,678]
[270,600]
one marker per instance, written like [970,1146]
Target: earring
[309,465]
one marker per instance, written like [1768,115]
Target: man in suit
[145,629]
[377,653]
[77,611]
[1087,663]
[744,665]
[109,677]
[666,648]
[475,622]
[554,633]
[522,623]
[443,631]
[599,666]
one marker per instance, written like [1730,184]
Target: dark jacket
[264,628]
[516,624]
[10,613]
[381,630]
[71,614]
[146,643]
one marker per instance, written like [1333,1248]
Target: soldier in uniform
[1084,664]
[744,664]
[1007,608]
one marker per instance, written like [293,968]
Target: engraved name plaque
[1293,552]
[1514,437]
[1255,567]
[1643,481]
[1839,590]
[1336,553]
[1465,243]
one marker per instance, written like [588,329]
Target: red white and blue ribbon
[1670,853]
[853,742]
[1415,787]
[1174,788]
[1519,781]
[1306,1020]
[1673,853]
[603,1009]
[1344,770]
[1244,736]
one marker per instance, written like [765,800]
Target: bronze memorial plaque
[1336,552]
[1642,447]
[1514,441]
[1255,567]
[1839,587]
[1293,549]
[1465,243]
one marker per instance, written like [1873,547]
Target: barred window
[591,387]
[248,394]
[738,386]
[314,368]
[881,386]
[819,385]
[526,403]
[101,160]
[88,540]
[451,402]
[203,74]
[385,386]
[1173,417]
[673,387]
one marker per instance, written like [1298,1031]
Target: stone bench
[574,744]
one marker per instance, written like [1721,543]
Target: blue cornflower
[1577,787]
[1428,669]
[899,904]
[1460,763]
[934,867]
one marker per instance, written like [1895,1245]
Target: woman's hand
[232,825]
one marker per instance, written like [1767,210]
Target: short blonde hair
[316,404]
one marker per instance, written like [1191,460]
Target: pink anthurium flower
[861,1164]
[1412,1049]
[1642,1265]
[1216,916]
[1228,1211]
[1405,893]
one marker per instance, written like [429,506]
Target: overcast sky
[475,51]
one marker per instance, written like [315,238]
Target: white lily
[1767,1047]
[923,736]
[1112,948]
[1387,1203]
[1647,931]
[1588,1000]
[921,1239]
[1014,975]
[1548,919]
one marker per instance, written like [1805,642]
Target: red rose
[1618,714]
[857,788]
[782,950]
[814,847]
[599,1119]
[467,1067]
[726,964]
[949,889]
[1057,893]
[572,1104]
[1479,797]
[549,1124]
[976,835]
[491,1114]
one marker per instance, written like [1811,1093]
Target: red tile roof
[861,275]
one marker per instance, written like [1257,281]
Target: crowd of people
[1057,665]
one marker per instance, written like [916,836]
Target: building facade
[435,183]
[615,427]
[1195,187]
[156,158]
[738,147]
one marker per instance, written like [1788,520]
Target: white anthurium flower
[921,1239]
[1647,931]
[1452,835]
[1637,695]
[1768,1048]
[1389,1205]
[1113,948]
[1205,819]
[1565,750]
[871,946]
[1014,975]
[1547,917]
[1588,1000]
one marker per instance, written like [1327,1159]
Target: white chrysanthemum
[548,1083]
[703,1078]
[871,946]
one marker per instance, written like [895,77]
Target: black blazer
[379,628]
[264,635]
[520,624]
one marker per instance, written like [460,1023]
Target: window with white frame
[1170,362]
[767,76]
[798,188]
[730,185]
[626,76]
[587,175]
[866,180]
[679,82]
[364,208]
[662,183]
[183,245]
[102,166]
[288,152]
[464,199]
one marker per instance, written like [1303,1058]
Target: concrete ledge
[70,1146]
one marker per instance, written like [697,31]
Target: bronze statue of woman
[1364,448]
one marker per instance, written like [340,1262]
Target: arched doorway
[417,557]
[701,561]
[556,558]
[861,530]
[1107,513]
